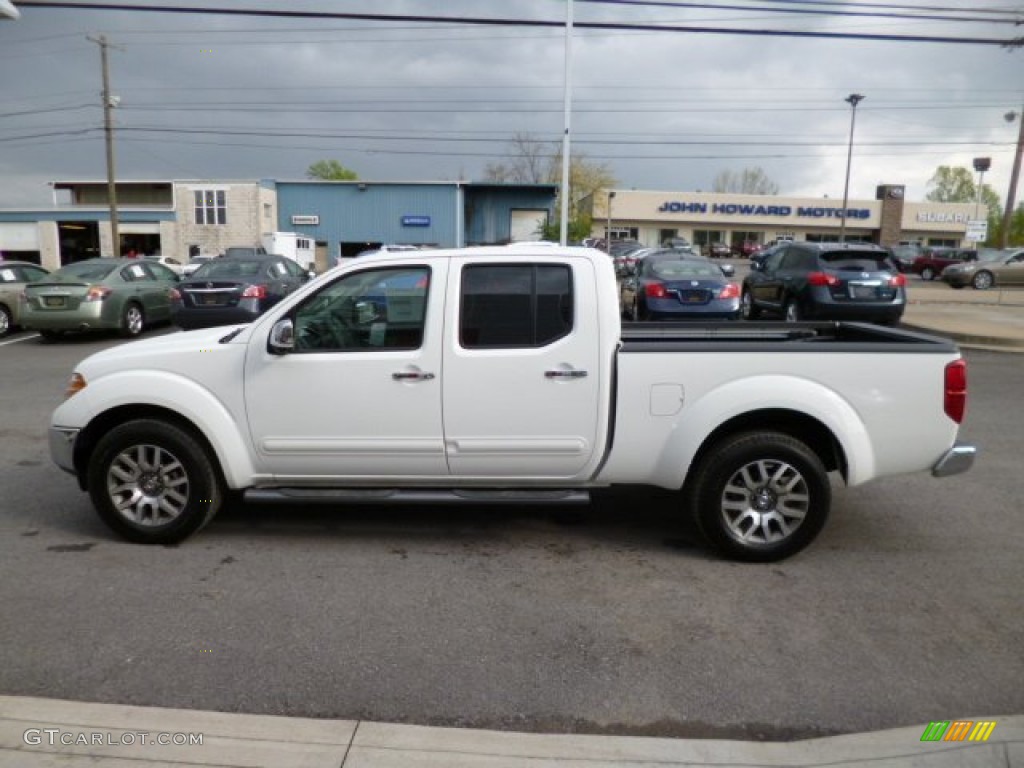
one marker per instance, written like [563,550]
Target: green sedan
[125,295]
[14,275]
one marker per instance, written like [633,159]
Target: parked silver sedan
[991,268]
[95,294]
[14,276]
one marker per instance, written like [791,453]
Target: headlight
[75,385]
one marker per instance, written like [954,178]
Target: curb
[971,340]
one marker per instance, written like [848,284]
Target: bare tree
[750,181]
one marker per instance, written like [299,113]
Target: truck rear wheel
[153,482]
[760,496]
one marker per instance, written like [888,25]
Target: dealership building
[182,218]
[652,217]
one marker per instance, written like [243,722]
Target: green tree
[330,170]
[749,181]
[955,184]
[532,161]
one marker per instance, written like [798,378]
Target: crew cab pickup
[497,375]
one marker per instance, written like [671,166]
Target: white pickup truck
[496,375]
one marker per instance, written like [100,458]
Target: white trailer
[295,246]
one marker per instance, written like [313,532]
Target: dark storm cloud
[413,101]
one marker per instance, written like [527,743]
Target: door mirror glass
[282,337]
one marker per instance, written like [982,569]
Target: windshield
[84,271]
[673,270]
[229,268]
[991,254]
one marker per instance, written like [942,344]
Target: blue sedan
[679,289]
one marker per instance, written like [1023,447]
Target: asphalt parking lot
[907,609]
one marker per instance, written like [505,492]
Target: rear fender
[736,399]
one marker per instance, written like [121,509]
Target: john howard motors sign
[748,209]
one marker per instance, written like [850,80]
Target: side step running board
[415,496]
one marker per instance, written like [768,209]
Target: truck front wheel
[760,496]
[153,482]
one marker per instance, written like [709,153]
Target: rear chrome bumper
[957,459]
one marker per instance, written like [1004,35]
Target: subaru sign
[415,221]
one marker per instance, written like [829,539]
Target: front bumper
[957,459]
[62,447]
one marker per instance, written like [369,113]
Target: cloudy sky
[245,97]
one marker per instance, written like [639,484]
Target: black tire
[927,273]
[133,321]
[639,315]
[760,496]
[50,336]
[6,321]
[174,482]
[748,309]
[792,312]
[983,280]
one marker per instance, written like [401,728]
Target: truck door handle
[412,376]
[562,374]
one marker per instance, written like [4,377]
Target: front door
[522,384]
[360,396]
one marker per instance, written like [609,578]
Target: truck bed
[781,336]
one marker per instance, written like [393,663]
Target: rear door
[766,284]
[521,369]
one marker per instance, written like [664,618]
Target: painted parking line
[15,341]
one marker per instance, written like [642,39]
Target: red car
[930,263]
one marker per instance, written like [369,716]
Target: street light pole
[853,100]
[563,231]
[1011,194]
[981,164]
[608,225]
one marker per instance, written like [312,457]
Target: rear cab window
[515,305]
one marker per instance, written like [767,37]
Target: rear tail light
[730,291]
[955,399]
[175,294]
[98,293]
[898,281]
[255,292]
[822,278]
[655,291]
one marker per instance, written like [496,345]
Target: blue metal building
[346,217]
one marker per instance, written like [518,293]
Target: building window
[266,211]
[704,237]
[211,206]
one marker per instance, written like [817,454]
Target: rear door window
[515,305]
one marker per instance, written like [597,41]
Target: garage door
[19,236]
[526,224]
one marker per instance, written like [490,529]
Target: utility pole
[1004,231]
[109,102]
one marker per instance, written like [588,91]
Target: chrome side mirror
[727,269]
[282,337]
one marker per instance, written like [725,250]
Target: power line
[507,22]
[809,11]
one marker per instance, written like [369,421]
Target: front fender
[223,425]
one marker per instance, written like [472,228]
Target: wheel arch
[817,436]
[91,434]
